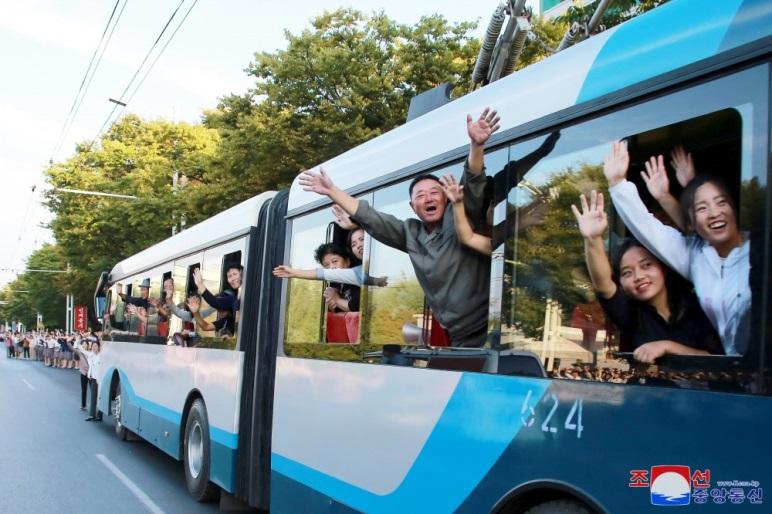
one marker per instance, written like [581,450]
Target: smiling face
[233,276]
[428,202]
[714,218]
[358,243]
[335,261]
[641,275]
[168,286]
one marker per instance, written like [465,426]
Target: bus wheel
[196,454]
[120,430]
[559,507]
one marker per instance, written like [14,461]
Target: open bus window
[548,303]
[330,312]
[216,308]
[401,302]
[181,323]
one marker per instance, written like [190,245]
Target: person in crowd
[454,278]
[651,306]
[714,255]
[77,347]
[227,302]
[92,357]
[50,345]
[25,344]
[9,345]
[17,344]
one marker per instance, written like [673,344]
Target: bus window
[305,307]
[181,326]
[548,304]
[402,300]
[116,309]
[222,273]
[153,316]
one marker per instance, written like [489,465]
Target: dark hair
[687,197]
[676,287]
[233,265]
[419,178]
[330,248]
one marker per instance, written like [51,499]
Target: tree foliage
[136,158]
[36,292]
[618,12]
[347,79]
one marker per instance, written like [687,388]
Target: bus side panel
[157,380]
[218,379]
[388,438]
[384,439]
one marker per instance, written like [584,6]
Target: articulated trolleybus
[291,408]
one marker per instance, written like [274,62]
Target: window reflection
[548,304]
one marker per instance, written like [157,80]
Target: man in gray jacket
[455,278]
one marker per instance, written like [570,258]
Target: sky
[46,48]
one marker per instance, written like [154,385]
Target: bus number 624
[573,420]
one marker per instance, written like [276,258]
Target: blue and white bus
[297,414]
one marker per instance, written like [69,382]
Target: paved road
[51,461]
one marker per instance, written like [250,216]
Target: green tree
[135,157]
[347,79]
[36,292]
[618,12]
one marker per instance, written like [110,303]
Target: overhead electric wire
[88,77]
[139,69]
[152,64]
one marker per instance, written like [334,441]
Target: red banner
[81,321]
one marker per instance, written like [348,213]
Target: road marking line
[28,384]
[144,498]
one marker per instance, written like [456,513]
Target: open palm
[592,218]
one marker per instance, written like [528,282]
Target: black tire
[559,507]
[196,454]
[116,410]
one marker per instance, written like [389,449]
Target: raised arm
[658,185]
[383,227]
[194,304]
[464,232]
[667,243]
[283,271]
[180,313]
[592,225]
[320,183]
[479,131]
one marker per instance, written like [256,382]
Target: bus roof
[228,224]
[667,38]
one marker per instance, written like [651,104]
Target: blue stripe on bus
[667,45]
[458,454]
[221,436]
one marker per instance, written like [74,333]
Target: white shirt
[721,284]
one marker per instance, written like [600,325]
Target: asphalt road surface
[51,461]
